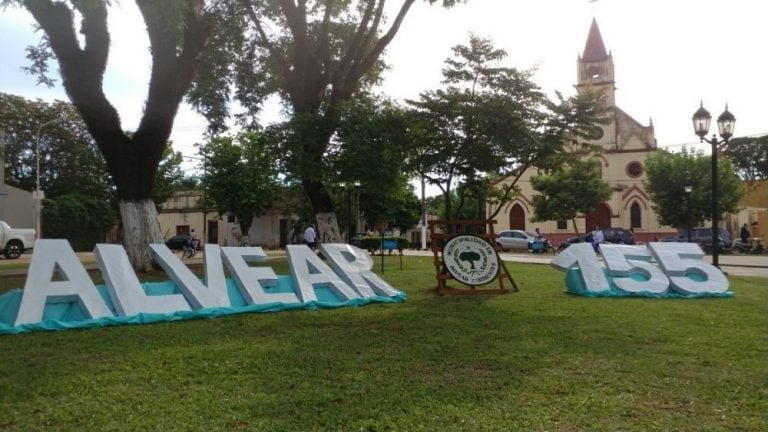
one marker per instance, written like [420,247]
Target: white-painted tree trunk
[328,228]
[140,229]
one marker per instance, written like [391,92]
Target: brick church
[626,143]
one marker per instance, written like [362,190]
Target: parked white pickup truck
[16,241]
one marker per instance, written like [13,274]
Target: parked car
[177,242]
[703,236]
[611,235]
[514,239]
[618,236]
[16,241]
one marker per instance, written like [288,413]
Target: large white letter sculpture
[678,267]
[354,266]
[53,256]
[124,287]
[351,280]
[309,270]
[253,281]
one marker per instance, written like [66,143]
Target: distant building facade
[626,143]
[184,212]
[753,211]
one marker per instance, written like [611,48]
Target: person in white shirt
[597,237]
[310,237]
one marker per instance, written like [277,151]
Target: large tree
[749,156]
[73,173]
[69,160]
[368,148]
[669,173]
[77,34]
[314,54]
[491,120]
[240,176]
[563,194]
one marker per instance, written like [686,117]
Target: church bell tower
[595,67]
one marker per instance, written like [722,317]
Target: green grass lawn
[538,359]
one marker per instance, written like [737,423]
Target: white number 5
[689,274]
[624,260]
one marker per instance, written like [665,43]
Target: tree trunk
[140,229]
[328,228]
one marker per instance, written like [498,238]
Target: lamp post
[349,191]
[725,124]
[688,190]
[38,194]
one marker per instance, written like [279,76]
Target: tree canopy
[578,188]
[73,173]
[368,148]
[669,173]
[76,34]
[749,156]
[315,55]
[240,175]
[491,120]
[69,159]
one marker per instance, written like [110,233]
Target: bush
[372,244]
[81,219]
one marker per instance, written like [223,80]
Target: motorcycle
[541,246]
[739,247]
[190,249]
[564,245]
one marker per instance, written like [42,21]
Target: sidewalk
[737,265]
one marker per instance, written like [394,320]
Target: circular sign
[470,259]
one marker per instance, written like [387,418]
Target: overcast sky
[668,55]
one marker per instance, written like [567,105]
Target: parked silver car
[514,239]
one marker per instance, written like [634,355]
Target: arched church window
[635,216]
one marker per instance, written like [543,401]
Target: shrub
[372,244]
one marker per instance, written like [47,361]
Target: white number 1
[582,254]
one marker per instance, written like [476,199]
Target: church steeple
[595,66]
[594,50]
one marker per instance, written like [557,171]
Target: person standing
[597,237]
[744,234]
[310,237]
[195,239]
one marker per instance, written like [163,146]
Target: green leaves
[669,173]
[578,188]
[69,159]
[749,156]
[492,120]
[240,175]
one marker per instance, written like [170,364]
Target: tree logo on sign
[470,259]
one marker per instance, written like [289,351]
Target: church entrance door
[517,218]
[600,216]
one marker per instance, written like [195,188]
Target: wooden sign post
[469,256]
